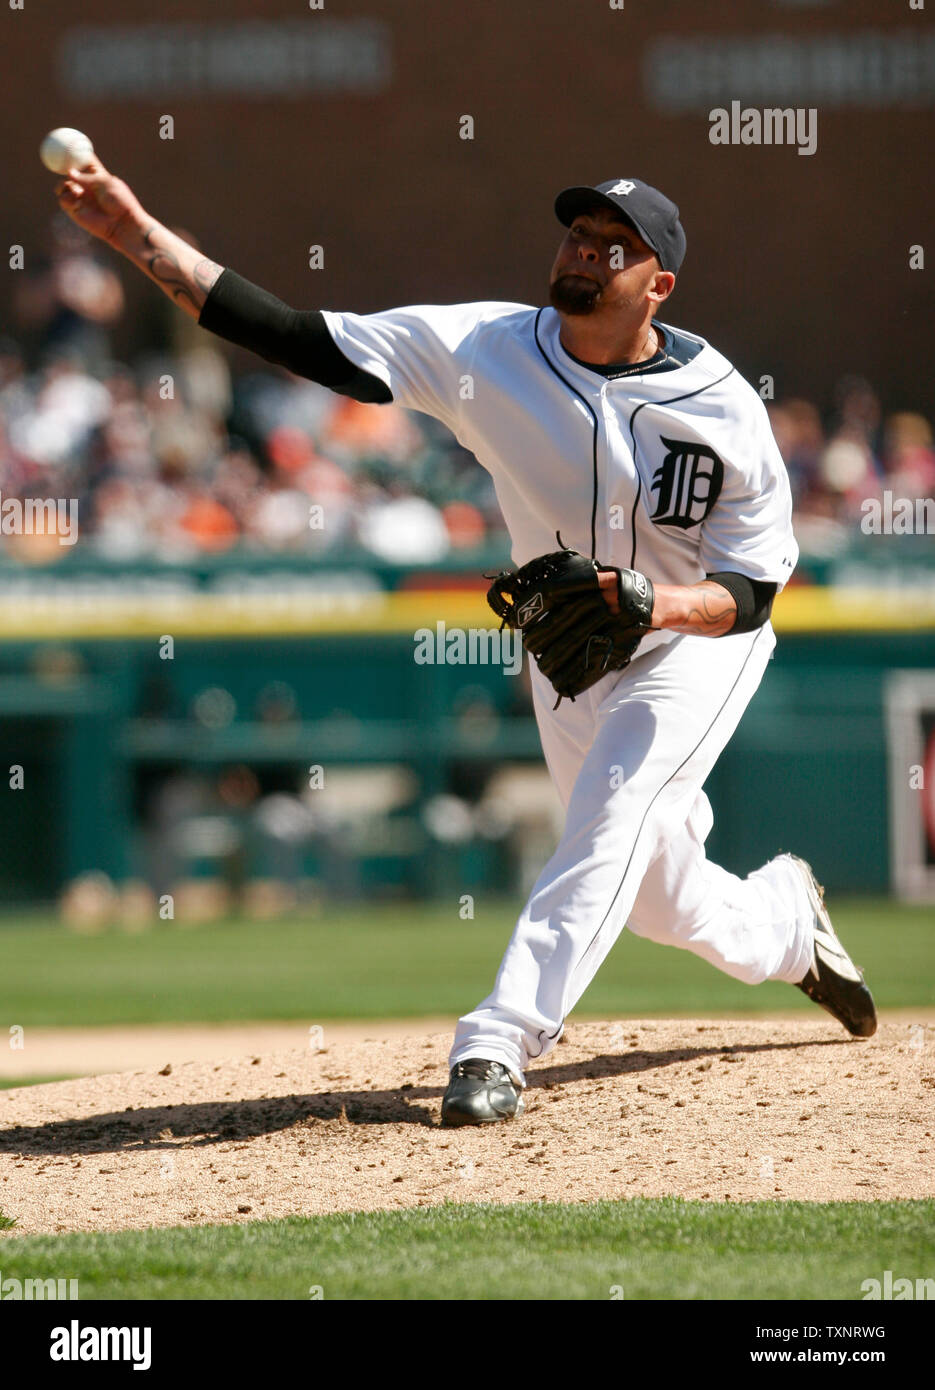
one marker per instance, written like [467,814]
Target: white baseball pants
[629,758]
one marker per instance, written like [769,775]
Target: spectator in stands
[66,303]
[908,456]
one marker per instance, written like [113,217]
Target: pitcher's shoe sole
[833,980]
[480,1092]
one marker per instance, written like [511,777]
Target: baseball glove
[557,603]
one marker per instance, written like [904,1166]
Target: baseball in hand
[65,149]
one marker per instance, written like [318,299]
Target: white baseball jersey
[674,473]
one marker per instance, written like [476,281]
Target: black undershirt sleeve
[297,339]
[753,597]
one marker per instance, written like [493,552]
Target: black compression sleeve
[753,597]
[297,339]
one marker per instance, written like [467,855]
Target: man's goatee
[572,294]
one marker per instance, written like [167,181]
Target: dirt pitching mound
[742,1109]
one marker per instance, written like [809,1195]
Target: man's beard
[574,294]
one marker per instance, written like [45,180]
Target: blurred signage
[872,69]
[251,59]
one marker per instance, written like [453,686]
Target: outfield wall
[107,703]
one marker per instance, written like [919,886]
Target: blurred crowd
[840,464]
[174,456]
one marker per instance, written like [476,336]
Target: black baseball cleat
[833,980]
[480,1092]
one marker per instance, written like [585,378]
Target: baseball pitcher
[651,524]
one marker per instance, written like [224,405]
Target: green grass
[9,1083]
[6,1222]
[397,962]
[666,1248]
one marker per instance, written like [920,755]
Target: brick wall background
[797,266]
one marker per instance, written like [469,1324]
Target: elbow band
[753,597]
[296,339]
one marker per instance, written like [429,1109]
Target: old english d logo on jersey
[687,483]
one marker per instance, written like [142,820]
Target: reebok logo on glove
[529,610]
[558,603]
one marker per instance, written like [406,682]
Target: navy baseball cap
[654,216]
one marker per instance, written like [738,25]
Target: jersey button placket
[609,478]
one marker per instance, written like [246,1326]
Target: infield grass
[398,962]
[640,1249]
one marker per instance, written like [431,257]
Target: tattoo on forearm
[163,266]
[714,612]
[206,274]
